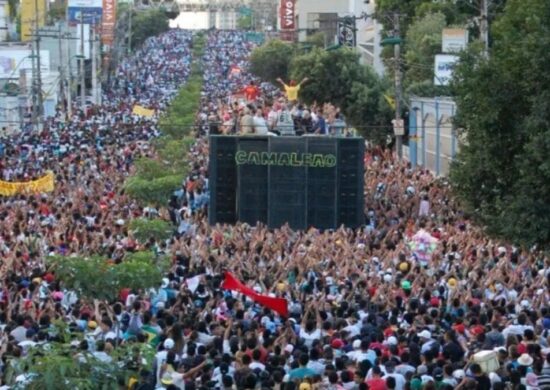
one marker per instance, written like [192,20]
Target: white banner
[444,64]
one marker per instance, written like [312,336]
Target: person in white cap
[428,344]
[160,357]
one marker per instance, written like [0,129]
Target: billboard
[29,13]
[454,40]
[288,15]
[12,61]
[444,64]
[108,23]
[86,11]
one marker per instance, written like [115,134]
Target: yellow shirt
[292,92]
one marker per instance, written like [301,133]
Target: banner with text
[44,184]
[288,15]
[108,24]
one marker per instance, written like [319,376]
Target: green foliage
[318,39]
[181,115]
[244,22]
[156,179]
[502,173]
[144,229]
[427,89]
[331,74]
[98,278]
[367,107]
[385,9]
[272,60]
[57,12]
[337,77]
[57,367]
[148,23]
[156,191]
[423,43]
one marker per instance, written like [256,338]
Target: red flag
[278,305]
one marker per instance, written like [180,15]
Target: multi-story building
[314,16]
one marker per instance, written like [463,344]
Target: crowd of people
[365,310]
[235,102]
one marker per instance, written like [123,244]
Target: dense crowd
[368,309]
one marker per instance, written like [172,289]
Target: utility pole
[82,73]
[34,98]
[130,30]
[61,70]
[398,124]
[484,25]
[94,70]
[40,108]
[69,83]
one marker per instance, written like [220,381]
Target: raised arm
[281,82]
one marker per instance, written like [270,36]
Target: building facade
[313,16]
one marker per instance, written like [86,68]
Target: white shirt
[260,125]
[316,366]
[310,337]
[102,356]
[515,330]
[255,365]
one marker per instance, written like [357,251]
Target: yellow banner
[44,184]
[142,111]
[29,15]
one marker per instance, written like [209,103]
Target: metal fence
[433,142]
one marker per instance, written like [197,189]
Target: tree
[385,9]
[367,108]
[101,279]
[337,77]
[244,22]
[331,75]
[272,60]
[57,368]
[422,44]
[148,23]
[319,39]
[144,229]
[155,192]
[502,173]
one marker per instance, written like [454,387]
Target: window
[322,22]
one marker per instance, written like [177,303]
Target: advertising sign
[13,61]
[288,15]
[108,23]
[86,11]
[454,40]
[444,64]
[29,13]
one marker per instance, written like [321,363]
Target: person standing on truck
[292,90]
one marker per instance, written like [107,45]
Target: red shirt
[251,92]
[377,384]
